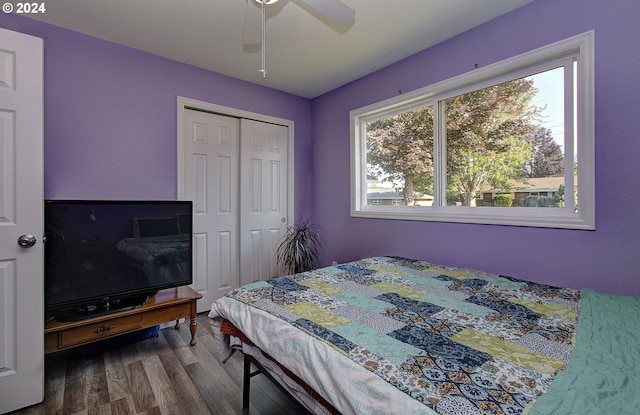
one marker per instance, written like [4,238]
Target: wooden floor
[163,375]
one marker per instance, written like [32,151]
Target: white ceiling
[305,54]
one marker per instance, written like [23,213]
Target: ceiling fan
[334,13]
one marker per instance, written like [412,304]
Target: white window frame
[580,46]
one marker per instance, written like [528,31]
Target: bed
[388,335]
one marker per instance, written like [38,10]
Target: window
[508,144]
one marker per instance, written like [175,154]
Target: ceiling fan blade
[252,34]
[335,10]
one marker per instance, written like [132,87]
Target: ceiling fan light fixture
[334,10]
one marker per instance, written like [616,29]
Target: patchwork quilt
[448,340]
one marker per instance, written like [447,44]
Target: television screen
[101,253]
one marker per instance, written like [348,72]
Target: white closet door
[236,172]
[21,213]
[263,197]
[210,179]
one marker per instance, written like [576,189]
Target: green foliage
[539,201]
[399,149]
[482,168]
[559,196]
[488,133]
[504,199]
[300,248]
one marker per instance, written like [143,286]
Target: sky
[551,96]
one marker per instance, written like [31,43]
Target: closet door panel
[263,198]
[211,177]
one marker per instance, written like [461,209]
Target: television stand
[165,305]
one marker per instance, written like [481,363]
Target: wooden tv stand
[166,305]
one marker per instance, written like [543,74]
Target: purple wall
[608,258]
[111,115]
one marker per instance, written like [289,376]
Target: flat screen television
[103,256]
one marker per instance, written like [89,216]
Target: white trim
[237,113]
[519,66]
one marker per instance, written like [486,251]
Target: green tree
[488,134]
[488,142]
[479,168]
[399,149]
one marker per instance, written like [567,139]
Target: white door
[210,180]
[263,197]
[21,213]
[236,171]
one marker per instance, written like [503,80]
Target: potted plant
[300,248]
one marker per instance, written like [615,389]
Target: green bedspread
[603,375]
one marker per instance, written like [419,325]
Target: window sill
[558,218]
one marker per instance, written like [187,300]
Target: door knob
[26,241]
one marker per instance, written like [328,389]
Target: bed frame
[248,373]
